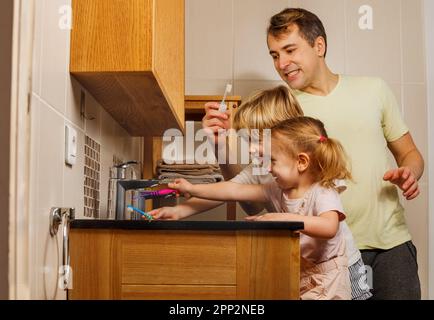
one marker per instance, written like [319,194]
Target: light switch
[70,145]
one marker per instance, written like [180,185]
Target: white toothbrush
[223,106]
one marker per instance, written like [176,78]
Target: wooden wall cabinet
[129,55]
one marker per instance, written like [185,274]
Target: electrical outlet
[70,145]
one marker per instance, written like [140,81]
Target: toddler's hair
[266,108]
[308,135]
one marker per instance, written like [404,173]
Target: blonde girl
[305,163]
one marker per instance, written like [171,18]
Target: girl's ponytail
[331,161]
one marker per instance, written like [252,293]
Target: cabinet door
[130,56]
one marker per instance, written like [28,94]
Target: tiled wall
[231,47]
[56,102]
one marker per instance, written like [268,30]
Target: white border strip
[429,42]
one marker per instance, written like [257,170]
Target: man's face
[296,61]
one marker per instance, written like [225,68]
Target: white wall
[429,38]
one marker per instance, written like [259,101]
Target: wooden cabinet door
[130,56]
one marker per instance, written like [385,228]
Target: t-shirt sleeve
[328,200]
[246,176]
[392,122]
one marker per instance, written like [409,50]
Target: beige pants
[329,280]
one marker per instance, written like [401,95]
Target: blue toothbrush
[146,215]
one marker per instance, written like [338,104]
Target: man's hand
[213,121]
[405,179]
[183,186]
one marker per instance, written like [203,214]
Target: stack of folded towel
[194,173]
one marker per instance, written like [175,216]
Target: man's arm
[410,166]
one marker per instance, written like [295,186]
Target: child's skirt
[328,280]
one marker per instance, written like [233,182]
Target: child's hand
[183,186]
[272,217]
[166,213]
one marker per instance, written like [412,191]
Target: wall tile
[332,15]
[33,188]
[413,47]
[93,118]
[244,88]
[415,116]
[56,101]
[398,91]
[108,134]
[37,46]
[106,164]
[208,41]
[134,148]
[73,97]
[417,221]
[74,178]
[252,60]
[54,56]
[374,52]
[49,192]
[200,86]
[122,139]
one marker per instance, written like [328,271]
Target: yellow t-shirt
[362,113]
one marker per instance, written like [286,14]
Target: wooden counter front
[184,264]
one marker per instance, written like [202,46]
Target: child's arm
[324,226]
[223,191]
[186,209]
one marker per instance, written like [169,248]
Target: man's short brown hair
[309,24]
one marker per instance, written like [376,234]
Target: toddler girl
[305,164]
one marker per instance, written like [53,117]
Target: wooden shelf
[195,105]
[127,55]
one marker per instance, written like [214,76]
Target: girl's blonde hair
[266,108]
[308,135]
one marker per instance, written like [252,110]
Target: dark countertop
[184,225]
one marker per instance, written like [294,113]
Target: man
[362,113]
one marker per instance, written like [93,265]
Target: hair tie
[322,139]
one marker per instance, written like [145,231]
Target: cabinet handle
[57,217]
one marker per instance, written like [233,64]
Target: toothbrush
[146,215]
[160,193]
[223,106]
